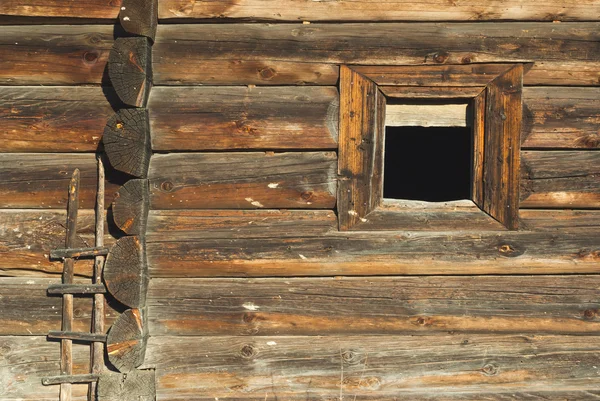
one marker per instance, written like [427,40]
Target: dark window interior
[427,163]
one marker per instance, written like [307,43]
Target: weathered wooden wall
[254,294]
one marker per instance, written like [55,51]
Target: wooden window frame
[494,92]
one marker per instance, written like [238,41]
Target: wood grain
[276,54]
[40,180]
[126,341]
[426,115]
[370,10]
[360,166]
[26,309]
[54,55]
[371,366]
[62,8]
[139,17]
[188,225]
[387,253]
[560,179]
[227,118]
[374,305]
[243,180]
[561,118]
[130,69]
[130,207]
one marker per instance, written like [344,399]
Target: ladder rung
[76,336]
[76,289]
[87,378]
[78,252]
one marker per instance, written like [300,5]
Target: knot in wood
[90,57]
[306,195]
[350,357]
[589,314]
[510,250]
[166,186]
[267,73]
[466,60]
[440,57]
[248,317]
[489,369]
[248,351]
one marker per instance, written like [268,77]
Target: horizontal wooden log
[379,367]
[61,119]
[187,225]
[72,119]
[224,118]
[41,180]
[374,305]
[559,220]
[26,309]
[62,8]
[54,55]
[560,179]
[561,118]
[28,236]
[387,253]
[243,180]
[294,54]
[24,360]
[369,10]
[428,92]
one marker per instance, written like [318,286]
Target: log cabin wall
[254,293]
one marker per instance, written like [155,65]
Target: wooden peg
[77,252]
[126,340]
[139,17]
[77,336]
[69,379]
[80,289]
[130,70]
[126,141]
[130,207]
[125,271]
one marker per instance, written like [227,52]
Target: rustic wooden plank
[127,141]
[387,253]
[186,225]
[243,180]
[462,215]
[54,55]
[469,75]
[77,253]
[369,10]
[28,236]
[132,386]
[40,180]
[559,220]
[101,9]
[126,272]
[139,17]
[561,118]
[130,207]
[426,115]
[560,179]
[225,118]
[126,341]
[26,309]
[24,360]
[321,367]
[374,305]
[501,165]
[60,119]
[478,129]
[291,54]
[427,92]
[361,136]
[130,69]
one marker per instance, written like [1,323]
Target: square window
[432,166]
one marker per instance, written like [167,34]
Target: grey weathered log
[78,252]
[127,141]
[126,340]
[130,70]
[139,17]
[137,385]
[130,207]
[77,336]
[125,271]
[79,289]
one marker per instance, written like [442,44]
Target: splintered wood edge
[139,17]
[130,70]
[134,386]
[126,141]
[126,340]
[126,271]
[130,207]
